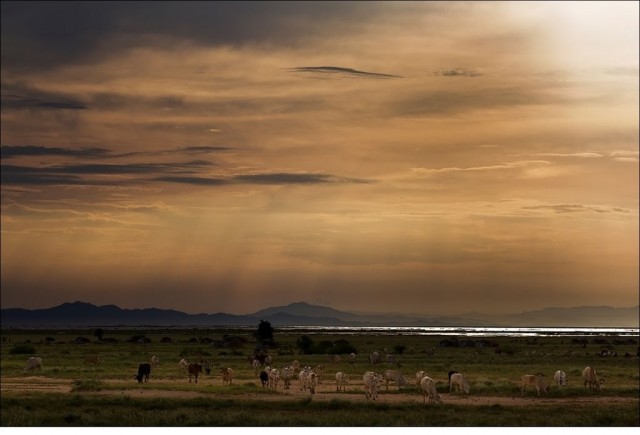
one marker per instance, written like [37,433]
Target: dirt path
[324,392]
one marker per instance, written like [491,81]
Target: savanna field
[72,389]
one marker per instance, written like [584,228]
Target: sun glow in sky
[418,157]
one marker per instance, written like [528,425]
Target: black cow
[264,378]
[144,370]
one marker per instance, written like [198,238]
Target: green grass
[489,374]
[87,410]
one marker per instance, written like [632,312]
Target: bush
[22,349]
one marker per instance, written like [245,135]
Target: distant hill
[82,314]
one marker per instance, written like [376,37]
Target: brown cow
[194,370]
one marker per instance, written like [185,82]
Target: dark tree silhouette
[265,331]
[99,333]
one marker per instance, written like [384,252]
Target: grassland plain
[68,391]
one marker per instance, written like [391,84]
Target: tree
[265,331]
[99,333]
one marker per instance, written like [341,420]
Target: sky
[401,157]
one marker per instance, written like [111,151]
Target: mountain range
[82,314]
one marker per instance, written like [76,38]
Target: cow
[194,369]
[560,378]
[371,382]
[182,365]
[311,382]
[460,382]
[35,362]
[295,365]
[419,375]
[258,357]
[227,376]
[390,359]
[144,370]
[429,391]
[256,366]
[302,377]
[341,380]
[287,374]
[268,359]
[352,357]
[319,371]
[395,377]
[537,381]
[590,378]
[375,358]
[274,378]
[92,359]
[334,359]
[206,366]
[155,361]
[264,378]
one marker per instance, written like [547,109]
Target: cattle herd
[308,378]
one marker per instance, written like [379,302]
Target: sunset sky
[416,157]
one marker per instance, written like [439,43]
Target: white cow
[227,376]
[590,378]
[371,382]
[268,359]
[155,361]
[35,362]
[560,378]
[428,388]
[295,365]
[302,377]
[341,380]
[311,382]
[460,382]
[535,380]
[419,375]
[375,358]
[182,365]
[274,378]
[394,376]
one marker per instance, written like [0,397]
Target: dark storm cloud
[39,34]
[337,70]
[11,174]
[9,151]
[196,181]
[33,99]
[280,178]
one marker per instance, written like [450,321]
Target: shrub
[22,349]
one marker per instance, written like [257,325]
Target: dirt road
[325,391]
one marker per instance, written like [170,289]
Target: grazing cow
[451,373]
[182,365]
[319,370]
[419,375]
[144,370]
[311,382]
[390,359]
[35,362]
[460,382]
[274,378]
[155,361]
[341,380]
[590,378]
[227,376]
[371,382]
[394,376]
[535,380]
[287,374]
[375,358]
[560,378]
[92,359]
[428,388]
[264,378]
[194,369]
